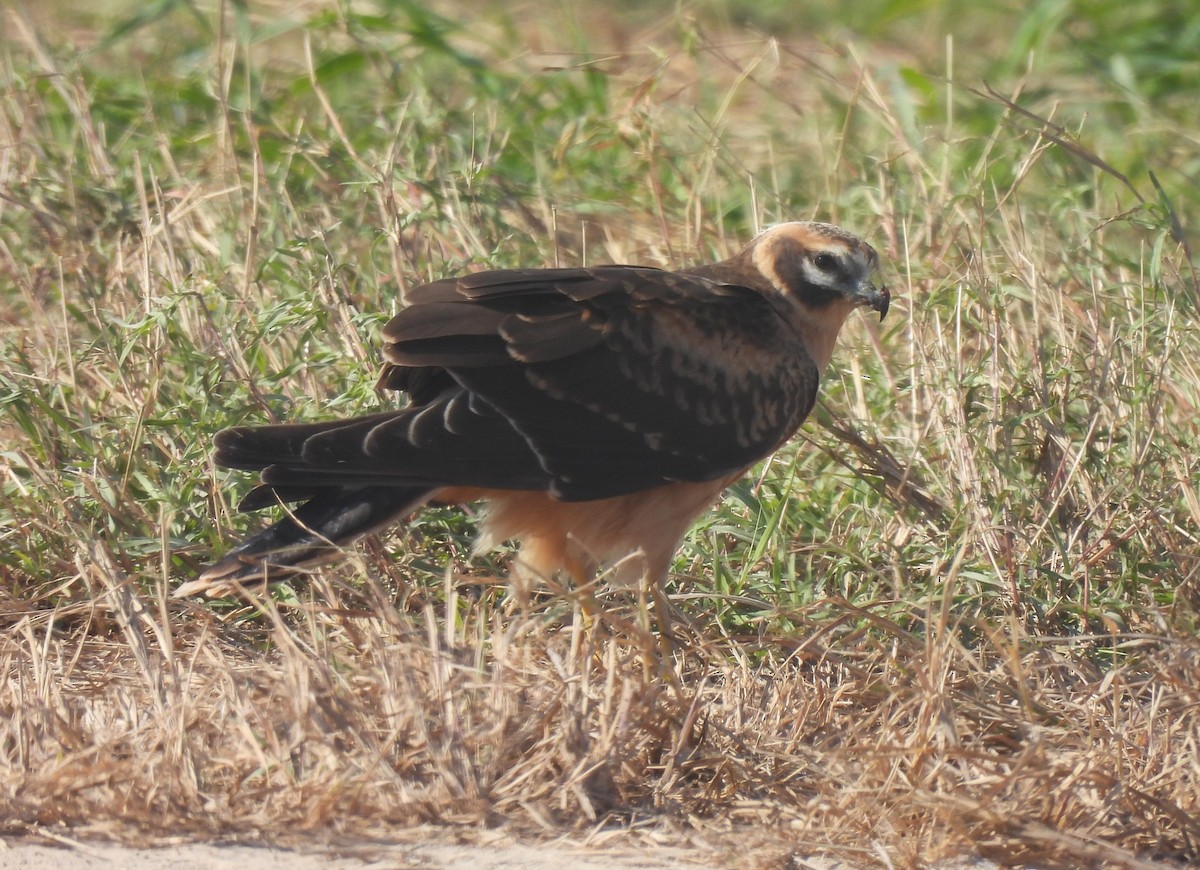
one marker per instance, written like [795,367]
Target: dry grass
[354,717]
[958,618]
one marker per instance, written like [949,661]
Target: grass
[956,616]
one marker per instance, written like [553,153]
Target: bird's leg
[658,647]
[536,565]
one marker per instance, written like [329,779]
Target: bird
[598,411]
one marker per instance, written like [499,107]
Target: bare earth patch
[433,856]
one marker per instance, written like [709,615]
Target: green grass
[206,221]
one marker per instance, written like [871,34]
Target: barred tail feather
[313,532]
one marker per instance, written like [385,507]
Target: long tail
[313,532]
[337,508]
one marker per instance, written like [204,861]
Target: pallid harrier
[598,410]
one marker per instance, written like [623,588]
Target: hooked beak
[878,298]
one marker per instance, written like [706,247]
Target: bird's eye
[825,262]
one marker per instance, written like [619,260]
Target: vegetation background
[956,617]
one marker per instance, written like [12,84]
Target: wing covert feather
[615,378]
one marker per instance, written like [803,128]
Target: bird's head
[815,274]
[820,267]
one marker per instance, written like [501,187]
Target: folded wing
[584,383]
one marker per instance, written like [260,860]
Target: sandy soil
[67,854]
[28,855]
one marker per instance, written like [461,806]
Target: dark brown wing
[452,439]
[615,379]
[585,383]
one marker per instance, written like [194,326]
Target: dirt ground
[67,854]
[27,855]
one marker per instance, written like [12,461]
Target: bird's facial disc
[820,265]
[847,270]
